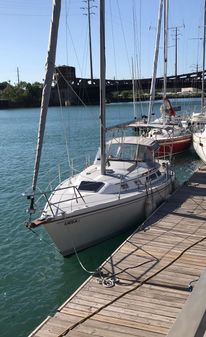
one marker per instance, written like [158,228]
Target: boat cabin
[130,148]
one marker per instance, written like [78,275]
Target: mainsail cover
[50,65]
[157,45]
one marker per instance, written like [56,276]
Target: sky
[130,37]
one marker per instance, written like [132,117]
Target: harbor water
[35,278]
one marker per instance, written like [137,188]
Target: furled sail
[50,65]
[157,44]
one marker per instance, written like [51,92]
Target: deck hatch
[92,186]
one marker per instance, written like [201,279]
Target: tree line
[22,94]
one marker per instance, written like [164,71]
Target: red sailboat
[171,132]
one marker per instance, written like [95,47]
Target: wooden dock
[153,284]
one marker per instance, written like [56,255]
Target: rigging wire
[137,70]
[73,45]
[124,37]
[140,36]
[70,165]
[64,128]
[71,88]
[113,41]
[42,239]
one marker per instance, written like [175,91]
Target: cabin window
[91,186]
[122,151]
[151,177]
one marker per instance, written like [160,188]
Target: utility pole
[88,8]
[176,29]
[197,66]
[18,75]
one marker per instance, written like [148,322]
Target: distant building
[69,90]
[63,74]
[188,90]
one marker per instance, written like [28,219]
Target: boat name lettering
[70,222]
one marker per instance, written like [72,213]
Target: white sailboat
[119,189]
[198,120]
[199,144]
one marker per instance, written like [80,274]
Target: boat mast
[166,7]
[156,54]
[133,91]
[102,85]
[50,65]
[203,60]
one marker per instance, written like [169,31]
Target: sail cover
[50,65]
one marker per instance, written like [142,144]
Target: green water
[35,278]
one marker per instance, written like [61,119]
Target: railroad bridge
[73,90]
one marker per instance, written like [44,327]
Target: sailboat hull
[199,144]
[174,145]
[84,229]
